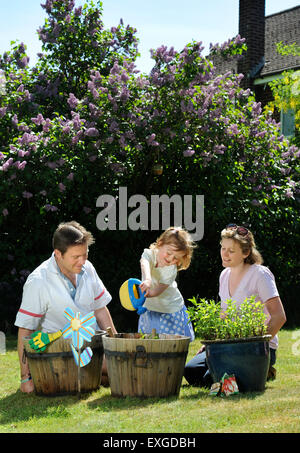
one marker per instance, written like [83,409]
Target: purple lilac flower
[61,187]
[66,130]
[87,210]
[188,152]
[48,5]
[52,165]
[27,194]
[7,164]
[23,62]
[20,165]
[91,132]
[38,120]
[47,125]
[5,212]
[27,139]
[288,193]
[2,111]
[50,207]
[219,149]
[151,139]
[72,101]
[233,129]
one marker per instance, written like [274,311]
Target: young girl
[166,311]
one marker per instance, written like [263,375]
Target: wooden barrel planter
[54,371]
[145,367]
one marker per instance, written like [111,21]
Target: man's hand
[27,387]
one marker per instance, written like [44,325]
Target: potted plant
[236,340]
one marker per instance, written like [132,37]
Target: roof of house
[283,26]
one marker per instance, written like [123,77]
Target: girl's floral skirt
[169,323]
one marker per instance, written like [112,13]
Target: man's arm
[26,387]
[104,319]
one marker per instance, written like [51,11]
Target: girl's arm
[147,280]
[160,288]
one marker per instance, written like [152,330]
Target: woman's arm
[277,313]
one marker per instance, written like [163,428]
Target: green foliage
[286,89]
[213,323]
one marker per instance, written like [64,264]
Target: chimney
[252,28]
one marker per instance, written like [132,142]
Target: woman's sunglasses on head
[241,230]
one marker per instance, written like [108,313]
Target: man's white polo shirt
[46,295]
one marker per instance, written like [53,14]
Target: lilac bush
[84,122]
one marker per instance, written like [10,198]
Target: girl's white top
[170,300]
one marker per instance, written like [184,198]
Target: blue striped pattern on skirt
[169,323]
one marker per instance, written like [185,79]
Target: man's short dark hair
[69,234]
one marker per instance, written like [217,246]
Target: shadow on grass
[108,403]
[19,407]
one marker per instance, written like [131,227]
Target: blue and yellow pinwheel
[79,329]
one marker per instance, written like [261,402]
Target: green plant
[213,323]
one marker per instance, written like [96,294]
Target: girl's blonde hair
[181,240]
[247,244]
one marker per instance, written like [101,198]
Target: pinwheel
[79,329]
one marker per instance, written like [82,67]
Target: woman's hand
[201,349]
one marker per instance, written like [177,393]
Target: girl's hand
[145,287]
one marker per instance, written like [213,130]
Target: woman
[243,277]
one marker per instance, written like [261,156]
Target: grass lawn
[276,410]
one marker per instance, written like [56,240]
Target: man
[66,279]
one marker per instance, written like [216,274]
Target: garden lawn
[276,410]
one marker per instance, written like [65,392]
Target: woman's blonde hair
[181,240]
[247,244]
